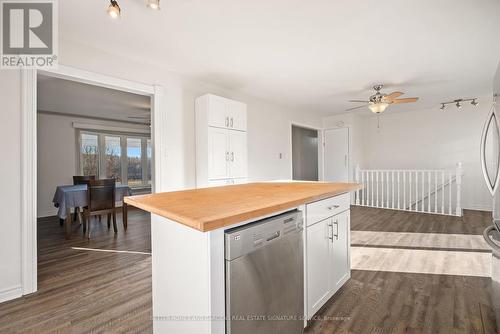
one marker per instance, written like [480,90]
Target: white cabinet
[237,154]
[223,112]
[221,141]
[327,258]
[218,144]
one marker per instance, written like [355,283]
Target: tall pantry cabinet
[221,141]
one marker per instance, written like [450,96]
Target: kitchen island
[188,245]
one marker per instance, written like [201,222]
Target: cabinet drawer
[329,207]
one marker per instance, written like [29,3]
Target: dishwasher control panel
[244,239]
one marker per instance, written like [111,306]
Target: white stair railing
[436,191]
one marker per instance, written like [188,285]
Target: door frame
[29,260]
[320,147]
[349,164]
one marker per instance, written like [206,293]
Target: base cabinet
[327,259]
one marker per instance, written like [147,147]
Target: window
[134,161]
[126,158]
[90,154]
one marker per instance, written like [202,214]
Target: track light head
[443,106]
[474,102]
[114,9]
[458,105]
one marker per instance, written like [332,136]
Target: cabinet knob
[232,123]
[232,156]
[227,156]
[227,121]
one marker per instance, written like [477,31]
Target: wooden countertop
[207,209]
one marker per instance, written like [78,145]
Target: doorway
[304,154]
[30,144]
[336,155]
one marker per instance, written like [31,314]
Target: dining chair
[81,179]
[101,199]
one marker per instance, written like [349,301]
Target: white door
[217,112]
[318,265]
[237,113]
[237,154]
[218,153]
[340,250]
[336,155]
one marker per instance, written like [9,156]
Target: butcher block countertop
[207,209]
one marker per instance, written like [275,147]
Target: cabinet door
[237,154]
[237,113]
[218,153]
[218,112]
[318,252]
[340,257]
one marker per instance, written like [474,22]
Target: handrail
[435,191]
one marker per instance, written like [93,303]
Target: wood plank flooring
[82,290]
[394,301]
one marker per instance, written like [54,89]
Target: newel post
[459,189]
[357,180]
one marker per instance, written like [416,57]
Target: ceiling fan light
[153,4]
[114,9]
[379,107]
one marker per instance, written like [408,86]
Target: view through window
[126,158]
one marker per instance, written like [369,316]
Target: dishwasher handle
[274,236]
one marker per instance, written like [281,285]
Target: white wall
[57,155]
[425,139]
[10,169]
[269,134]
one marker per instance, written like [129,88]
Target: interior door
[336,155]
[318,265]
[218,153]
[340,250]
[237,154]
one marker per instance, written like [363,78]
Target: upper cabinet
[221,141]
[223,112]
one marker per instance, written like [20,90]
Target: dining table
[68,197]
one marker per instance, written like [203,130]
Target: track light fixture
[153,4]
[114,9]
[459,103]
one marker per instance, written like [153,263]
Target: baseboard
[10,293]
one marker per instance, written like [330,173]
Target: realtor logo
[29,34]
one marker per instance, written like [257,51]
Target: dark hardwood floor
[91,291]
[395,302]
[82,291]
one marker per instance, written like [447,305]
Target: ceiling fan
[379,102]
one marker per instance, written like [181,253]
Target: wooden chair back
[101,195]
[83,179]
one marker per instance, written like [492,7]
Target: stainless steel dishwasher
[265,276]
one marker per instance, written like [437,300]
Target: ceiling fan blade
[407,100]
[393,95]
[359,101]
[355,108]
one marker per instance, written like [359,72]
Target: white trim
[29,151]
[28,182]
[320,147]
[10,293]
[102,127]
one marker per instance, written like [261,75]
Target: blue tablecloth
[76,196]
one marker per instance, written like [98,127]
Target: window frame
[101,135]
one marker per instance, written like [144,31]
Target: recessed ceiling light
[153,4]
[114,10]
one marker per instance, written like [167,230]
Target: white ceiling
[74,98]
[313,55]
